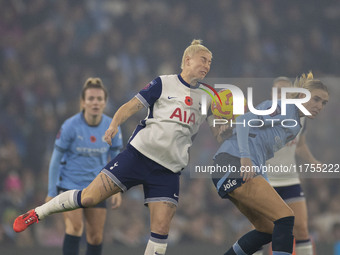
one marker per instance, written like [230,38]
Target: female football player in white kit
[156,152]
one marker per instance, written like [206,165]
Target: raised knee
[284,212]
[86,199]
[290,212]
[264,226]
[87,202]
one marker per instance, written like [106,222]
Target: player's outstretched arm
[123,113]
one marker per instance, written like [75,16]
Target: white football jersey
[285,157]
[174,117]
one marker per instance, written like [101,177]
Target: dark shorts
[228,180]
[291,194]
[131,168]
[102,204]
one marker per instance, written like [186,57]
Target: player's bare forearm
[124,112]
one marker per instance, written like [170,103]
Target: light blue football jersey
[85,151]
[260,143]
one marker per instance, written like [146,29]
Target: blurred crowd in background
[48,48]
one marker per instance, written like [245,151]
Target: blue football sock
[283,236]
[94,249]
[71,245]
[249,243]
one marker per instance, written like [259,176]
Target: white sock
[154,248]
[304,248]
[65,201]
[259,252]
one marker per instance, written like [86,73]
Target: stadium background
[49,47]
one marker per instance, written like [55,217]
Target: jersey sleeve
[64,137]
[275,118]
[151,92]
[242,134]
[53,172]
[242,128]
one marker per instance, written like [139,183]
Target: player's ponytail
[196,42]
[308,82]
[193,48]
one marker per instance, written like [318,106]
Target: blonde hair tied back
[303,79]
[308,82]
[196,42]
[195,46]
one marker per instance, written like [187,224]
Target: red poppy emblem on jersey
[188,101]
[93,138]
[59,133]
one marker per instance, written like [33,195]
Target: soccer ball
[225,110]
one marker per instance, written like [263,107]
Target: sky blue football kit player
[287,183]
[79,153]
[248,149]
[78,147]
